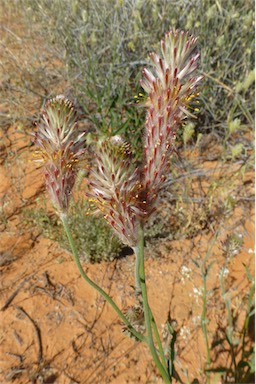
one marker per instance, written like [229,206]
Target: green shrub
[90,232]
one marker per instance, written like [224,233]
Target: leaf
[171,329]
[196,263]
[252,362]
[209,267]
[229,337]
[236,341]
[249,275]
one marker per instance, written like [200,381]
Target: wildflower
[114,185]
[60,148]
[171,87]
[118,189]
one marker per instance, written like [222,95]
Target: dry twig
[38,333]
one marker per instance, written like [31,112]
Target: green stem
[204,272]
[138,294]
[247,319]
[229,330]
[203,325]
[64,220]
[137,272]
[147,311]
[158,340]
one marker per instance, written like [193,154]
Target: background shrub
[103,46]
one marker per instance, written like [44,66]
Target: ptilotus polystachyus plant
[114,184]
[60,147]
[125,193]
[171,86]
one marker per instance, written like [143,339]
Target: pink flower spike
[114,188]
[171,85]
[60,147]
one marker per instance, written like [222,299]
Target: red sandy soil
[56,329]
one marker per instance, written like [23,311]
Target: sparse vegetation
[95,240]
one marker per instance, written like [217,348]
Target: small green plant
[94,239]
[241,368]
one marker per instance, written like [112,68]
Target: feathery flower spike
[114,187]
[171,86]
[60,147]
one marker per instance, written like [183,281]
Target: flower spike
[60,147]
[171,86]
[114,186]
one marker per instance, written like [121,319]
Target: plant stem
[158,340]
[229,330]
[137,272]
[138,294]
[64,220]
[204,272]
[147,311]
[203,321]
[247,319]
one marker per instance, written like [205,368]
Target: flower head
[171,86]
[114,186]
[60,147]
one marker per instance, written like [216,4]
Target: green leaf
[209,267]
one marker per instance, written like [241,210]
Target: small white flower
[197,292]
[185,271]
[224,272]
[185,333]
[196,320]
